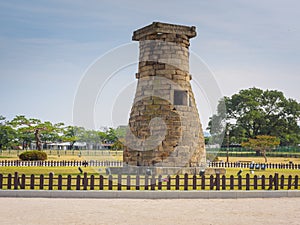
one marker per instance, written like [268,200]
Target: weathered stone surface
[165,129]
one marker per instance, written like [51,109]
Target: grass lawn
[101,170]
[261,159]
[69,155]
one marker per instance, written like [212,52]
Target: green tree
[33,129]
[7,134]
[73,134]
[262,144]
[254,112]
[50,132]
[111,135]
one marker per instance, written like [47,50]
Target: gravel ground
[145,211]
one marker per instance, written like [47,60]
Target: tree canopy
[262,144]
[22,131]
[254,112]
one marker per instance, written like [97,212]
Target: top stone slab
[164,28]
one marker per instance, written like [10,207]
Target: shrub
[33,155]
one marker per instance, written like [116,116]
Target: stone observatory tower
[165,133]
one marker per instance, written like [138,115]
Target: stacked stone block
[164,124]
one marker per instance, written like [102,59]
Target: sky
[48,48]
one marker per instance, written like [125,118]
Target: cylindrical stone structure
[164,125]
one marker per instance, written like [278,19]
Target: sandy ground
[145,211]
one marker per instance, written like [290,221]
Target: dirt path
[145,211]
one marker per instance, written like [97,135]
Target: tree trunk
[264,154]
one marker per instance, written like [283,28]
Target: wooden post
[240,185]
[59,182]
[282,182]
[247,182]
[32,180]
[78,179]
[146,182]
[255,182]
[92,182]
[128,185]
[137,182]
[41,186]
[263,182]
[203,182]
[159,182]
[271,182]
[169,183]
[231,182]
[276,181]
[69,182]
[289,182]
[211,182]
[110,182]
[101,186]
[23,181]
[50,181]
[194,182]
[296,182]
[9,178]
[223,182]
[119,182]
[186,182]
[153,182]
[218,182]
[16,181]
[177,182]
[1,181]
[85,181]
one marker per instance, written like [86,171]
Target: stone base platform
[141,170]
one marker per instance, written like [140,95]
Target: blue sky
[46,47]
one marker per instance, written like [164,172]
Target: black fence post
[203,182]
[137,182]
[146,182]
[186,181]
[240,185]
[211,182]
[1,181]
[263,182]
[101,184]
[153,182]
[194,182]
[78,179]
[69,182]
[255,182]
[119,182]
[276,181]
[289,182]
[23,181]
[159,182]
[85,181]
[231,182]
[177,183]
[16,181]
[9,178]
[247,182]
[59,182]
[128,184]
[41,182]
[32,180]
[218,182]
[169,182]
[110,182]
[296,182]
[50,187]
